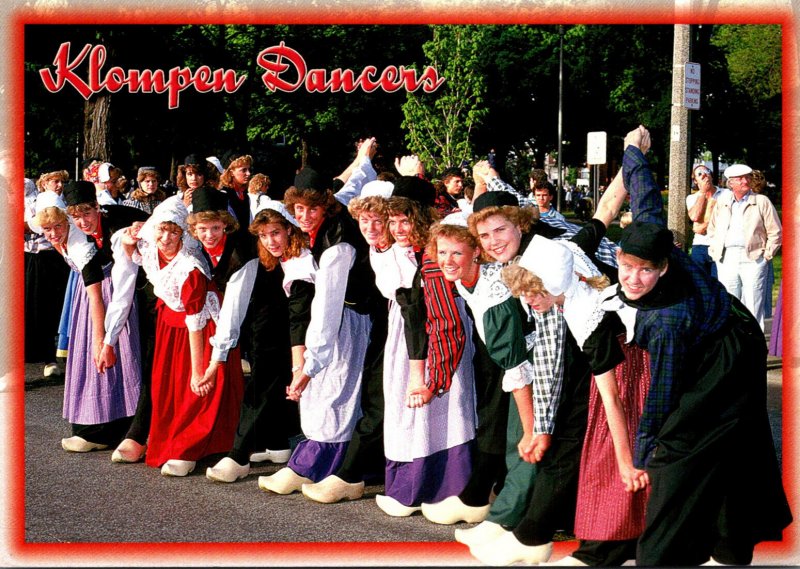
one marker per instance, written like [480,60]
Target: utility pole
[78,156]
[680,142]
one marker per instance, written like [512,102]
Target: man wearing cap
[704,436]
[745,233]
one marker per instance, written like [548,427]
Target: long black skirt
[46,275]
[716,484]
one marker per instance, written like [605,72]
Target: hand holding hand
[481,171]
[201,385]
[539,446]
[367,148]
[105,358]
[418,397]
[298,385]
[634,479]
[638,137]
[409,165]
[524,447]
[130,235]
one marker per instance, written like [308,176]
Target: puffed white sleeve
[517,377]
[123,282]
[233,311]
[327,306]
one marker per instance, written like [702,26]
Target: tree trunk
[303,153]
[97,128]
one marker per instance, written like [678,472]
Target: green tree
[501,92]
[520,66]
[614,77]
[749,109]
[619,76]
[753,54]
[439,125]
[322,127]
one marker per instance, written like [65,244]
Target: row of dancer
[455,394]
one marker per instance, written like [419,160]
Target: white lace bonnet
[560,265]
[275,205]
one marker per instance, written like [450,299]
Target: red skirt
[185,426]
[605,511]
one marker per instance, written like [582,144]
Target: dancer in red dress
[193,416]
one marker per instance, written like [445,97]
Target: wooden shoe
[285,481]
[452,510]
[128,451]
[177,467]
[79,444]
[394,508]
[51,369]
[484,532]
[333,489]
[507,550]
[274,456]
[227,470]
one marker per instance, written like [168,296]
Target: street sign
[691,86]
[596,148]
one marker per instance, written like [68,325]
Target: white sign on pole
[596,148]
[691,86]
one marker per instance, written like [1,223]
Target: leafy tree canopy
[501,92]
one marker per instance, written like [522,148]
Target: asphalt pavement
[84,498]
[87,500]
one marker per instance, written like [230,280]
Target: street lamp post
[560,107]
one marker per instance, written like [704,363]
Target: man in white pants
[745,233]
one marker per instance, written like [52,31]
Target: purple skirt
[91,398]
[430,479]
[776,335]
[317,460]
